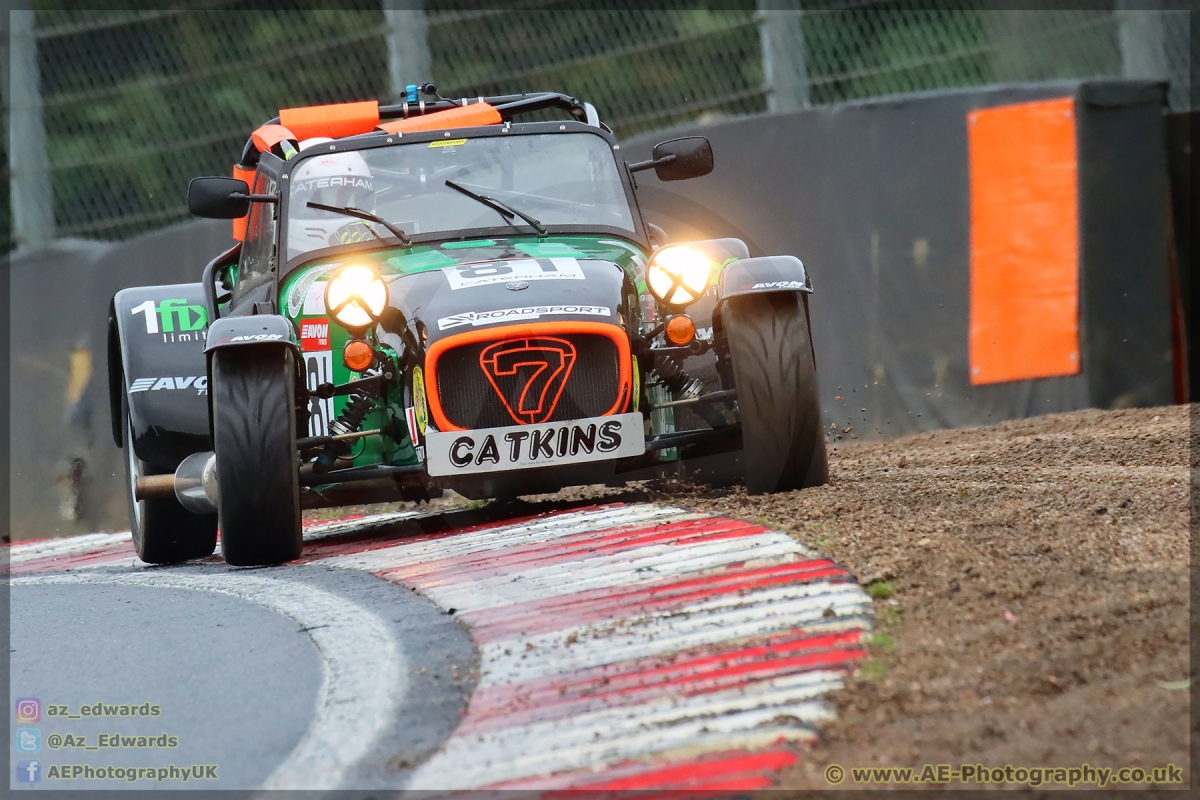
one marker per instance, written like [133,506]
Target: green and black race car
[431,296]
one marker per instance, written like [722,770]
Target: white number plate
[526,446]
[525,269]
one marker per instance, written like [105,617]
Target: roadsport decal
[525,446]
[467,276]
[509,314]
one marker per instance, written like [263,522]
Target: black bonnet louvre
[529,380]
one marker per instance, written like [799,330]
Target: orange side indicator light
[680,330]
[358,355]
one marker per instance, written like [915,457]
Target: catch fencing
[110,113]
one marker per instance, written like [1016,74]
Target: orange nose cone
[680,330]
[358,355]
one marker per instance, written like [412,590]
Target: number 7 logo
[529,375]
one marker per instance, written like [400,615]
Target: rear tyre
[164,532]
[776,378]
[258,470]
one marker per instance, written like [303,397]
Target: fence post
[29,169]
[408,48]
[784,70]
[1141,36]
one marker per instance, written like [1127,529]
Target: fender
[763,274]
[258,329]
[156,337]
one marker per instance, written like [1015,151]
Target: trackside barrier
[976,255]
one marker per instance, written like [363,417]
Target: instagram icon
[29,709]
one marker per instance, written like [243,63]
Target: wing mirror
[679,159]
[222,198]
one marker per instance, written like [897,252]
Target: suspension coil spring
[350,420]
[674,378]
[352,416]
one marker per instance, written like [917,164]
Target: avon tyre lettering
[199,383]
[256,337]
[467,276]
[781,285]
[314,335]
[528,312]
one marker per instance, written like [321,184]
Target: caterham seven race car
[432,295]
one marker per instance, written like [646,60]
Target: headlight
[356,297]
[679,275]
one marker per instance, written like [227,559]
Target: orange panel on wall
[1024,242]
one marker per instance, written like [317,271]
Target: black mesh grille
[536,366]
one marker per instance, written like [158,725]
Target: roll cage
[509,106]
[582,119]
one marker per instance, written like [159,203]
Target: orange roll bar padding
[239,224]
[339,119]
[470,116]
[1024,311]
[529,329]
[268,136]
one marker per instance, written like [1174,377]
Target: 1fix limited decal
[175,319]
[200,384]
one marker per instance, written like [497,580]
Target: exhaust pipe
[196,483]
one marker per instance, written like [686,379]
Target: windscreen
[557,179]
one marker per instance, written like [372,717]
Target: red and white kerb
[621,646]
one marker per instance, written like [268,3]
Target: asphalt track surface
[603,647]
[234,659]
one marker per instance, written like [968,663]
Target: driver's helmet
[334,179]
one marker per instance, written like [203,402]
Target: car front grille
[529,379]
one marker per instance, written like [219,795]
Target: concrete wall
[66,474]
[874,198]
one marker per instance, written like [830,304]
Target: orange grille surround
[532,330]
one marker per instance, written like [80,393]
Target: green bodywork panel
[303,285]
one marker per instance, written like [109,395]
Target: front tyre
[258,471]
[164,532]
[776,377]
